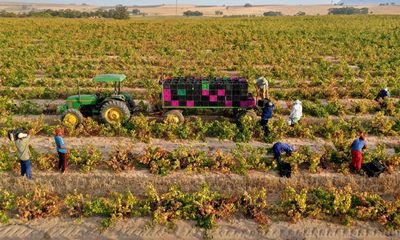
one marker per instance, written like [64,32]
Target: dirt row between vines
[107,145]
[276,87]
[99,182]
[50,106]
[237,228]
[55,119]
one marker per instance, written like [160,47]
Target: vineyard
[210,176]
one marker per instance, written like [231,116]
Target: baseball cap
[22,135]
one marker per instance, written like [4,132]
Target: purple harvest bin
[213,98]
[205,92]
[175,103]
[221,92]
[228,103]
[190,103]
[243,103]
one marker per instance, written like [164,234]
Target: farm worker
[280,147]
[61,150]
[266,115]
[262,85]
[24,154]
[356,151]
[382,94]
[296,113]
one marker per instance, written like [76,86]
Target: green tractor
[114,108]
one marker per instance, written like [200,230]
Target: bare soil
[238,228]
[106,145]
[99,183]
[49,106]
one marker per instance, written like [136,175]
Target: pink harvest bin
[167,98]
[190,103]
[251,103]
[228,103]
[175,103]
[248,103]
[167,94]
[205,92]
[213,98]
[221,92]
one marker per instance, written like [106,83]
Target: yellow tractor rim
[171,119]
[247,118]
[70,119]
[114,115]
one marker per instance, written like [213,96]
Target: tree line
[119,12]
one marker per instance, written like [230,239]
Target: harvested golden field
[209,11]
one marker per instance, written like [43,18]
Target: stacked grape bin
[206,93]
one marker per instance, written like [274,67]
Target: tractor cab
[114,108]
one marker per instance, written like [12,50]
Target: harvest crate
[206,93]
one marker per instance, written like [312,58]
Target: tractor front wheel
[173,116]
[72,118]
[115,112]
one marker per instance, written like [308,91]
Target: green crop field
[292,49]
[148,168]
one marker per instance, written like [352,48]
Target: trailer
[182,93]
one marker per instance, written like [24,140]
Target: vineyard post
[79,90]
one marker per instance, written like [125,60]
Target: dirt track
[49,106]
[106,145]
[238,228]
[137,181]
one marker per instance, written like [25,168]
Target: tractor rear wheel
[248,114]
[72,118]
[114,112]
[173,116]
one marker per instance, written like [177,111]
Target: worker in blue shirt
[61,150]
[384,93]
[266,115]
[280,147]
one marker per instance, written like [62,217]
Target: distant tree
[300,13]
[135,12]
[3,13]
[248,5]
[121,12]
[192,13]
[347,11]
[219,13]
[272,14]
